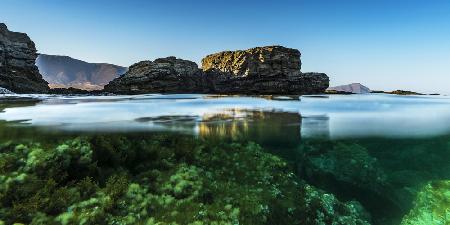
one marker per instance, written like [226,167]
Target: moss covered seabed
[176,179]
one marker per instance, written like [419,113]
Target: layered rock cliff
[261,70]
[256,62]
[18,72]
[66,72]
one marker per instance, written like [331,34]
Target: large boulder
[18,72]
[164,75]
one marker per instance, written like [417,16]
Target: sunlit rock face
[256,62]
[18,72]
[261,70]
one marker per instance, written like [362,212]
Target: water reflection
[335,117]
[268,128]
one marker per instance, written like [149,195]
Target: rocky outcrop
[18,72]
[165,75]
[262,70]
[256,62]
[65,72]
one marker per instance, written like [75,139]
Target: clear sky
[384,44]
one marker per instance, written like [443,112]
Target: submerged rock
[432,205]
[349,171]
[159,179]
[18,72]
[262,70]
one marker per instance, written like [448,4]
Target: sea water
[210,159]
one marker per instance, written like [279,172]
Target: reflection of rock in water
[277,129]
[316,126]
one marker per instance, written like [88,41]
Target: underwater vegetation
[385,176]
[158,179]
[432,205]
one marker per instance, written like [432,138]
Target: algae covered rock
[323,208]
[432,205]
[162,179]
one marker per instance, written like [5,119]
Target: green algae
[160,179]
[432,205]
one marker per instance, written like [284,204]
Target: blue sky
[384,44]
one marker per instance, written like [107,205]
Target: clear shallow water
[334,116]
[376,150]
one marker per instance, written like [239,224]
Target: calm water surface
[378,151]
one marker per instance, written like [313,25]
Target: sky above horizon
[383,44]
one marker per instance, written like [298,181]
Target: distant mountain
[64,72]
[355,88]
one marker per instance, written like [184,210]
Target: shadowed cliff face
[18,72]
[64,72]
[261,70]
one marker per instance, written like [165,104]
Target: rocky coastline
[260,70]
[256,71]
[18,72]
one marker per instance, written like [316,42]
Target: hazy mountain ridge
[64,71]
[355,88]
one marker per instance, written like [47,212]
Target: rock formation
[18,72]
[256,62]
[165,75]
[261,70]
[65,72]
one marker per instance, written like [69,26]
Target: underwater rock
[432,205]
[161,179]
[327,209]
[18,72]
[349,171]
